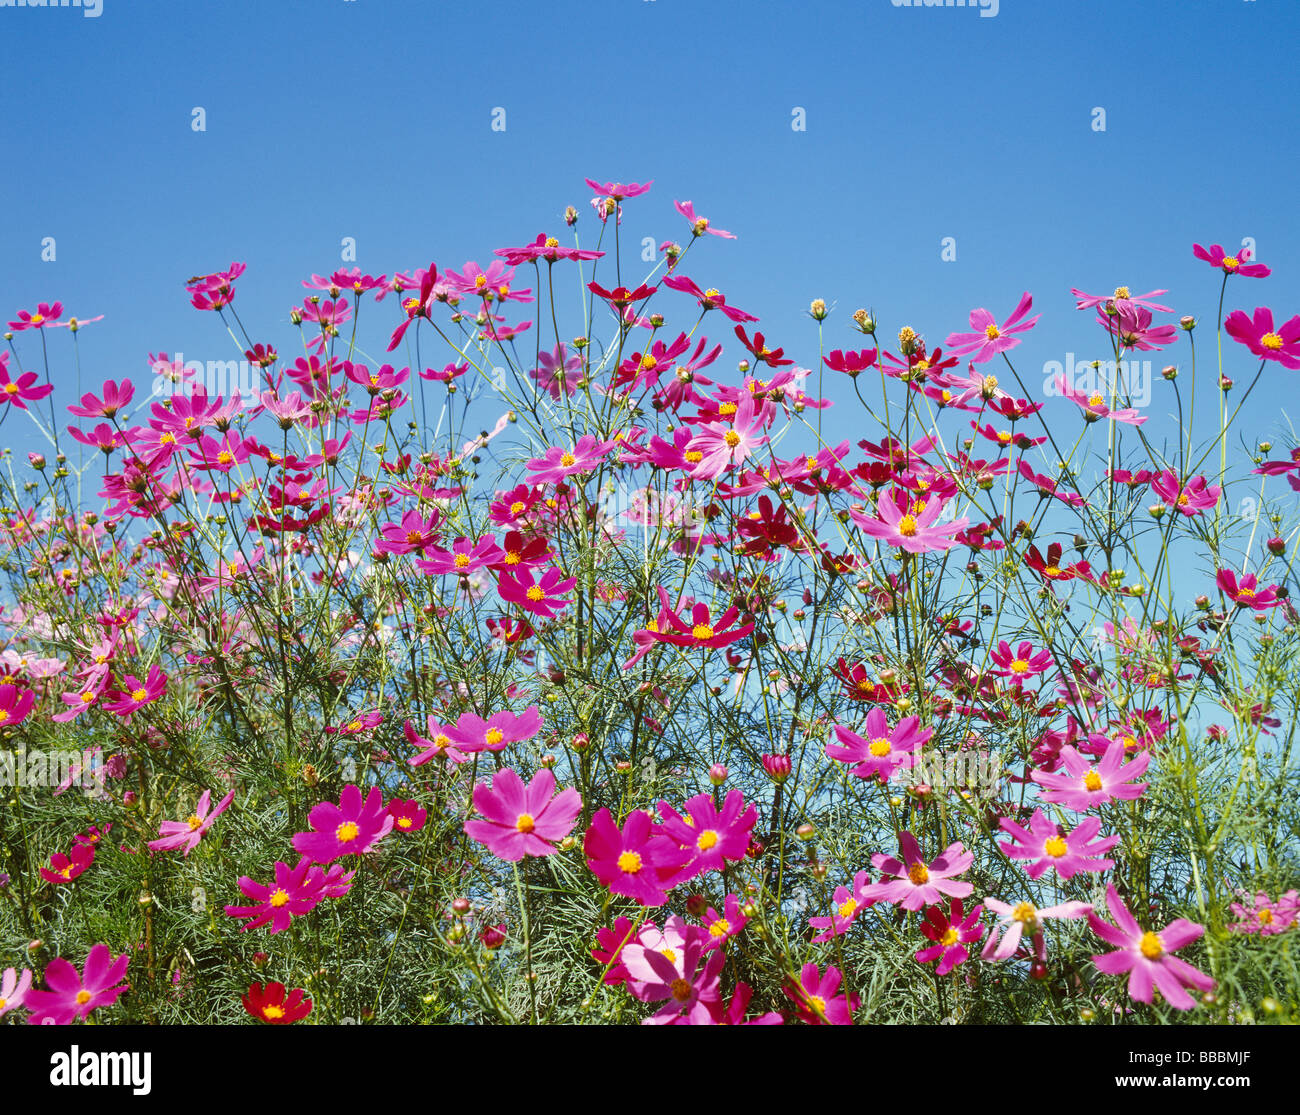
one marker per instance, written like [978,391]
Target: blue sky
[367,119]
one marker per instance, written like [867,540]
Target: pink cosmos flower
[619,191]
[815,996]
[1119,299]
[721,927]
[713,835]
[558,373]
[472,733]
[44,315]
[558,464]
[1068,854]
[187,834]
[1025,919]
[704,630]
[1148,956]
[610,943]
[438,744]
[115,398]
[1258,334]
[1238,264]
[465,557]
[989,338]
[916,883]
[1189,499]
[542,596]
[699,225]
[349,828]
[909,525]
[880,751]
[295,891]
[13,989]
[951,933]
[523,820]
[725,445]
[71,995]
[1243,591]
[1265,917]
[1132,325]
[711,299]
[665,967]
[1094,405]
[21,391]
[849,903]
[636,861]
[1085,785]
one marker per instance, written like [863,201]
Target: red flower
[269,1004]
[770,357]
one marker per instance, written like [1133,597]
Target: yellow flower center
[551,242]
[992,332]
[1271,341]
[139,694]
[1056,847]
[707,839]
[525,823]
[83,997]
[818,1003]
[348,830]
[462,561]
[949,936]
[693,456]
[1121,292]
[629,863]
[720,928]
[681,989]
[1019,666]
[848,907]
[194,821]
[568,460]
[272,1011]
[517,507]
[493,736]
[1231,263]
[702,631]
[907,526]
[86,698]
[919,874]
[1265,917]
[1025,912]
[712,292]
[731,438]
[535,593]
[512,557]
[480,281]
[37,319]
[1183,499]
[404,822]
[880,747]
[1092,781]
[727,409]
[1095,400]
[1151,947]
[1052,571]
[354,726]
[278,898]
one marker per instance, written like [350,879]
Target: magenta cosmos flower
[437,745]
[349,828]
[699,225]
[295,891]
[817,999]
[703,631]
[63,869]
[44,315]
[1084,785]
[472,733]
[1258,334]
[71,995]
[880,750]
[712,835]
[619,191]
[1265,917]
[187,834]
[542,596]
[557,373]
[521,820]
[951,932]
[465,556]
[1243,591]
[910,526]
[1148,956]
[1188,499]
[1020,662]
[1238,264]
[636,861]
[725,445]
[1067,854]
[916,883]
[408,816]
[136,693]
[15,704]
[989,338]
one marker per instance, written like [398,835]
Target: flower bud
[805,832]
[1169,371]
[460,906]
[818,309]
[777,767]
[1276,546]
[1225,383]
[1188,322]
[259,960]
[570,215]
[718,774]
[493,936]
[37,460]
[697,905]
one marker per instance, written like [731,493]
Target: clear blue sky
[372,119]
